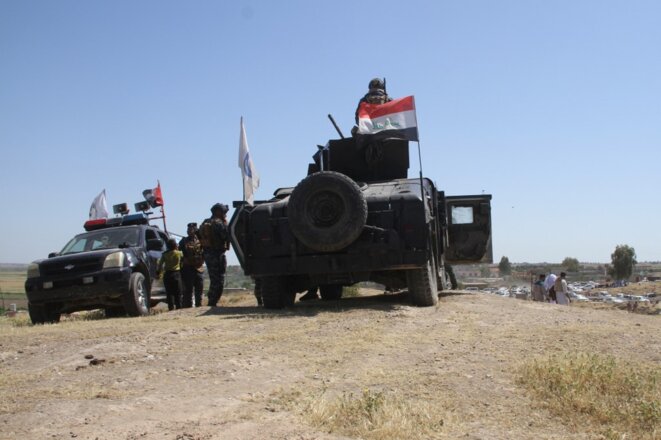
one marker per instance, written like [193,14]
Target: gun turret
[364,158]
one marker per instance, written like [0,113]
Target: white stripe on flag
[393,121]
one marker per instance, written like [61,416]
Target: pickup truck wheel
[40,314]
[330,292]
[327,211]
[136,300]
[275,293]
[422,285]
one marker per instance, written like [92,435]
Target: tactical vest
[192,250]
[213,234]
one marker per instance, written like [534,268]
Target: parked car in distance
[574,296]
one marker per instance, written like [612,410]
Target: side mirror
[53,254]
[154,244]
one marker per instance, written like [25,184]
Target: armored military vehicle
[358,217]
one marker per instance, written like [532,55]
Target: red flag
[154,196]
[158,196]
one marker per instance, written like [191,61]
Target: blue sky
[554,107]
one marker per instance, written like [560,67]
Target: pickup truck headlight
[33,270]
[115,259]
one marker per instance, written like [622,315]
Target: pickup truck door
[157,287]
[467,239]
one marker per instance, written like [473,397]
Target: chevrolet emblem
[69,266]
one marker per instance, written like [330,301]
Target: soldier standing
[214,238]
[192,270]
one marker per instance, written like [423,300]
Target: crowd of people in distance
[182,264]
[551,289]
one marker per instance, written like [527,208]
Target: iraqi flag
[392,119]
[154,196]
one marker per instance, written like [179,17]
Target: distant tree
[484,271]
[505,267]
[623,259]
[571,264]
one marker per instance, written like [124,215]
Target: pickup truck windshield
[104,239]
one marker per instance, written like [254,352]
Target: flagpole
[243,179]
[422,196]
[422,192]
[165,227]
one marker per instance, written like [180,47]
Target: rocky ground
[240,372]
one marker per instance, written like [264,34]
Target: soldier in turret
[376,94]
[214,237]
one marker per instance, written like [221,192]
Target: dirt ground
[239,372]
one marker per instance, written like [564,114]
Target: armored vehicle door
[468,235]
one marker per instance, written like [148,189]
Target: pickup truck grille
[71,267]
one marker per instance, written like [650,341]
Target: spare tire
[327,211]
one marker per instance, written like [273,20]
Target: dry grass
[618,399]
[20,392]
[370,415]
[374,415]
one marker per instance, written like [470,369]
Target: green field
[12,282]
[12,289]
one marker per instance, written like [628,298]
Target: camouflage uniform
[214,237]
[192,270]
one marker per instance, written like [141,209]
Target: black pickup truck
[111,266]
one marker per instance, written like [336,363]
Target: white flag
[99,208]
[250,176]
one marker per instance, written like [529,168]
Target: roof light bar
[91,225]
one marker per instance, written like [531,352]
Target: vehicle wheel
[327,211]
[275,293]
[330,292]
[114,312]
[258,291]
[136,301]
[39,314]
[449,272]
[422,284]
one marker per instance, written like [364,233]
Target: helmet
[377,83]
[221,207]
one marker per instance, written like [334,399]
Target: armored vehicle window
[462,215]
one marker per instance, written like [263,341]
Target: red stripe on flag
[395,106]
[158,195]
